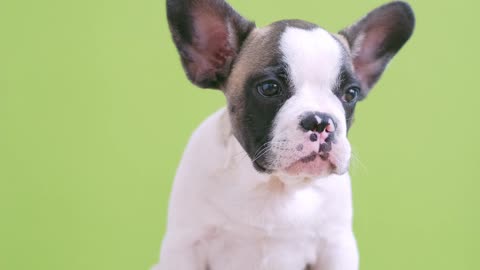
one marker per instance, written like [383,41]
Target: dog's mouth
[314,155]
[304,159]
[316,163]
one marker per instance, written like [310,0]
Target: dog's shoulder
[205,150]
[214,130]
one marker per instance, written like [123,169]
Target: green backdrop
[95,112]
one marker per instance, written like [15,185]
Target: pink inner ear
[368,64]
[210,51]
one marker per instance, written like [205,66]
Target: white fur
[224,215]
[314,56]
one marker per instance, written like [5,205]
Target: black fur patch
[259,112]
[346,80]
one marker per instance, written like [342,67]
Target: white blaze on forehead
[314,60]
[313,56]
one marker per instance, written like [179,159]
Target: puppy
[264,183]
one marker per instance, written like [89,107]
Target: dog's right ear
[208,35]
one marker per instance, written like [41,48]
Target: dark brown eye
[269,89]
[351,94]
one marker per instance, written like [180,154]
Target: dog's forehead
[311,53]
[313,57]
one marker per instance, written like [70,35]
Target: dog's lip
[312,156]
[259,167]
[306,161]
[314,163]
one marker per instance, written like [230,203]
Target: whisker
[255,159]
[358,161]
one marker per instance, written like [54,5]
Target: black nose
[317,121]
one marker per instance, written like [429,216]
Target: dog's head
[291,87]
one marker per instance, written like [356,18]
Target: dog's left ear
[376,38]
[208,35]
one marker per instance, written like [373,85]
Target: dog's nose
[318,122]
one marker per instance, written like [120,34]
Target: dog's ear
[208,35]
[376,38]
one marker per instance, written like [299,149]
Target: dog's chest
[270,233]
[281,250]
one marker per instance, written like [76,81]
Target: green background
[95,111]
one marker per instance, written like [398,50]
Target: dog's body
[225,214]
[264,183]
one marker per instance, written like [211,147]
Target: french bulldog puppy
[263,183]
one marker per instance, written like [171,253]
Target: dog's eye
[269,89]
[351,94]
